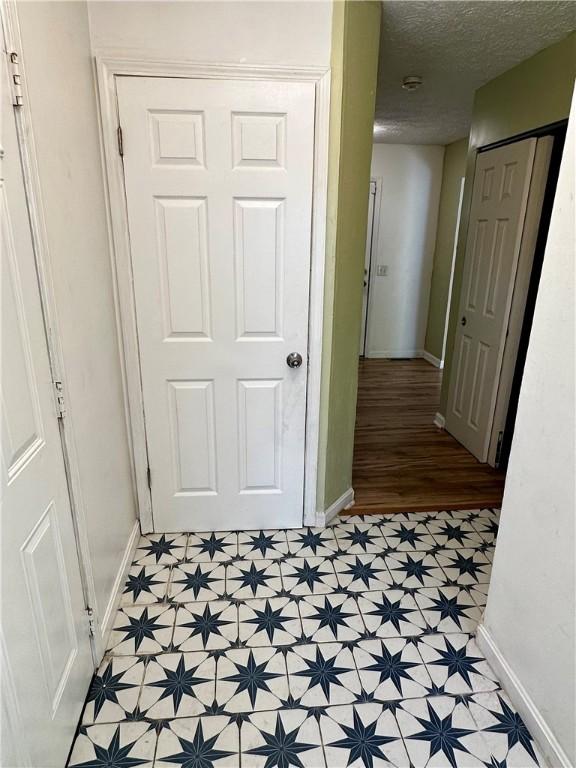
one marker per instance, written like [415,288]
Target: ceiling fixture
[412,82]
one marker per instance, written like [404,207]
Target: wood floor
[401,460]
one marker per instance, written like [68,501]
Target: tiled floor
[351,646]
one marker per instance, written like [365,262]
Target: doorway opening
[454,252]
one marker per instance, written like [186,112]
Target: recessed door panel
[259,242]
[487,182]
[509,175]
[45,571]
[193,436]
[478,384]
[259,140]
[21,423]
[461,373]
[497,257]
[477,257]
[185,274]
[177,138]
[259,414]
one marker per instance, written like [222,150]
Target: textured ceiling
[456,46]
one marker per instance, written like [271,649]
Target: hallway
[402,461]
[351,645]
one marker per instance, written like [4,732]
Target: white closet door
[496,224]
[45,647]
[218,178]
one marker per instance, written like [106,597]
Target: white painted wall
[59,40]
[57,60]
[531,604]
[411,177]
[297,33]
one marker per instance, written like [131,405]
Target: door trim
[452,268]
[373,257]
[12,41]
[111,64]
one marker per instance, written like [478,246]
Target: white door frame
[373,252]
[452,265]
[12,41]
[112,64]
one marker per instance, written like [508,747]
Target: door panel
[501,186]
[185,289]
[259,444]
[259,242]
[218,179]
[44,625]
[192,402]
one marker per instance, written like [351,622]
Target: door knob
[463,321]
[294,360]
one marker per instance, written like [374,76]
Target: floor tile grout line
[353,596]
[366,635]
[384,703]
[171,601]
[145,656]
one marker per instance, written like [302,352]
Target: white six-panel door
[218,177]
[44,648]
[498,208]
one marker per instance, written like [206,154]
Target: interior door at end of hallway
[496,223]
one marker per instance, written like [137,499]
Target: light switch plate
[382,270]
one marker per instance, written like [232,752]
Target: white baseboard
[520,698]
[440,421]
[117,588]
[394,354]
[432,360]
[343,502]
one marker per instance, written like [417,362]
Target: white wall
[58,70]
[59,40]
[297,33]
[411,178]
[531,604]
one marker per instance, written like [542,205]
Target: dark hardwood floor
[402,461]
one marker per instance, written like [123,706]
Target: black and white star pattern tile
[347,646]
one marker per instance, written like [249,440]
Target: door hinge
[499,448]
[15,79]
[91,621]
[120,142]
[59,399]
[149,478]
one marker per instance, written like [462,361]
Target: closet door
[45,647]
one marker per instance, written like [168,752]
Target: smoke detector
[412,82]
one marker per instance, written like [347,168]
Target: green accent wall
[454,168]
[354,65]
[535,93]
